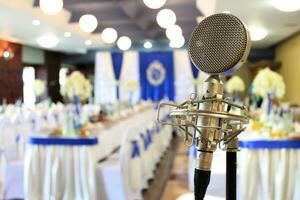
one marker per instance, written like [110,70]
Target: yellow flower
[268,81]
[39,87]
[235,84]
[76,85]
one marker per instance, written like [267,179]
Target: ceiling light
[148,45]
[257,33]
[67,34]
[48,41]
[36,22]
[166,18]
[177,42]
[173,31]
[109,35]
[226,11]
[200,19]
[51,7]
[88,23]
[287,5]
[124,43]
[88,42]
[154,4]
[7,55]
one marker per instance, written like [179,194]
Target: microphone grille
[218,43]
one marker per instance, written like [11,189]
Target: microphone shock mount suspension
[208,123]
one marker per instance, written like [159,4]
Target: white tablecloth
[269,170]
[60,169]
[110,138]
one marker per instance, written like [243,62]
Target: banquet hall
[149,100]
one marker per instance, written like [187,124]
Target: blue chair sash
[145,140]
[135,149]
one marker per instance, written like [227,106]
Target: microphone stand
[231,175]
[213,126]
[231,165]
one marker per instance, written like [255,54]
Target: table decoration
[131,86]
[39,88]
[76,86]
[269,85]
[235,86]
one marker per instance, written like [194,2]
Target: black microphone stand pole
[231,166]
[231,175]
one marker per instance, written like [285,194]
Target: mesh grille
[218,43]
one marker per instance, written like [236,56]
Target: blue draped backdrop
[166,89]
[117,60]
[195,70]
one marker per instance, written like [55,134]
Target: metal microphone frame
[188,109]
[185,116]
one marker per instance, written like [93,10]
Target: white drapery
[105,83]
[130,72]
[183,75]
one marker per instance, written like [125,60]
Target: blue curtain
[117,60]
[166,89]
[195,70]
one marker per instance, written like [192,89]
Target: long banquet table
[60,168]
[269,169]
[110,137]
[64,167]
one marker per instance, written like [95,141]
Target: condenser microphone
[220,43]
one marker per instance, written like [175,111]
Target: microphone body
[213,87]
[219,43]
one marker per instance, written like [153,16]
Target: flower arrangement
[39,87]
[131,85]
[268,82]
[76,86]
[235,84]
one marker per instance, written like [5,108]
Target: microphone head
[219,43]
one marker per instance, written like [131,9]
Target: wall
[33,56]
[247,75]
[288,53]
[52,63]
[11,84]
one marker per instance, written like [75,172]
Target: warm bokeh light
[257,33]
[109,35]
[48,41]
[286,5]
[173,32]
[177,42]
[124,43]
[148,45]
[88,23]
[154,4]
[51,7]
[166,18]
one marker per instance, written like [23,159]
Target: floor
[171,176]
[177,184]
[177,188]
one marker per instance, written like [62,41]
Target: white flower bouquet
[235,84]
[39,87]
[76,85]
[268,82]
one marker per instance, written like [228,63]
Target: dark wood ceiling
[132,17]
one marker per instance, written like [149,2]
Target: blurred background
[80,81]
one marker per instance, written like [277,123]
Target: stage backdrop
[131,76]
